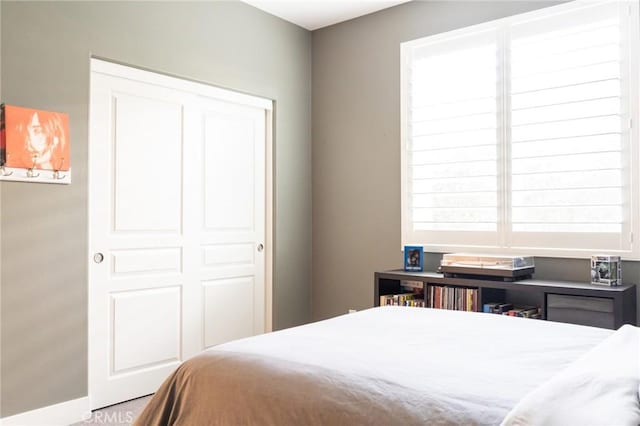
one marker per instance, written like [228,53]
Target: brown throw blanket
[227,388]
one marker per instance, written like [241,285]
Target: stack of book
[412,295]
[412,286]
[511,310]
[454,298]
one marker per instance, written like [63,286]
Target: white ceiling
[317,14]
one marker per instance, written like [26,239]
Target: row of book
[444,297]
[453,298]
[511,310]
[405,299]
[438,297]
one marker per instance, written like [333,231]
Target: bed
[397,365]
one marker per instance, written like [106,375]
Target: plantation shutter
[570,130]
[452,143]
[517,135]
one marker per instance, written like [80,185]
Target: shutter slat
[567,214]
[566,129]
[454,125]
[559,95]
[564,197]
[457,185]
[568,227]
[568,180]
[478,214]
[454,109]
[567,163]
[567,111]
[566,78]
[576,61]
[454,200]
[453,226]
[457,155]
[427,148]
[431,171]
[454,140]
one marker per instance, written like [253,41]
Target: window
[517,134]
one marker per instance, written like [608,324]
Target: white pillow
[601,388]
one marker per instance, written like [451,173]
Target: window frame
[503,237]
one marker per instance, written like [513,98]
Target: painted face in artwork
[43,139]
[37,138]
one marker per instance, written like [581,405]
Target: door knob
[98,257]
[260,247]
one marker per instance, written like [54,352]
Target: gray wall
[356,149]
[45,64]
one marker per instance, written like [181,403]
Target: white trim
[269,215]
[63,414]
[634,133]
[405,53]
[89,248]
[103,67]
[504,138]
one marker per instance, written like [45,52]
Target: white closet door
[231,227]
[177,217]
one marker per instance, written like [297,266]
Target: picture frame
[413,258]
[606,270]
[34,139]
[34,145]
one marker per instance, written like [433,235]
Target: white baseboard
[62,414]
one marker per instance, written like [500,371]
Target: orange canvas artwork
[35,138]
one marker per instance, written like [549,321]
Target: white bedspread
[453,367]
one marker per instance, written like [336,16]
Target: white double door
[177,203]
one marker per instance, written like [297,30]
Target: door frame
[112,68]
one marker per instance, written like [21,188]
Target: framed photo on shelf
[414,258]
[606,270]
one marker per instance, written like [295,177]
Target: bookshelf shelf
[563,301]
